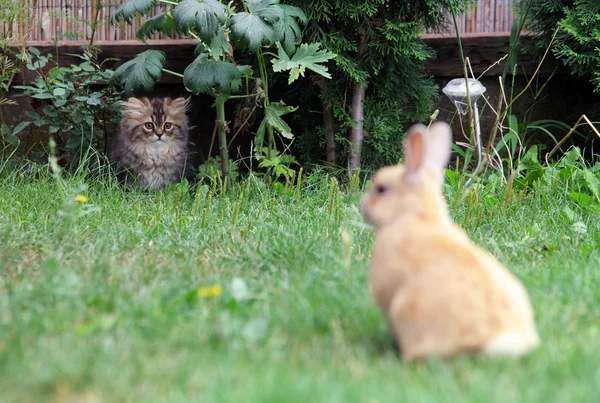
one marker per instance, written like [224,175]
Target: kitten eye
[168,125]
[380,189]
[149,126]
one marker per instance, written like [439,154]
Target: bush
[380,65]
[577,41]
[81,109]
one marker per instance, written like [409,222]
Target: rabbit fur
[440,293]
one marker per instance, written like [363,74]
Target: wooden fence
[488,16]
[74,20]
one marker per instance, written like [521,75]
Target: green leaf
[87,66]
[308,56]
[253,30]
[260,135]
[140,73]
[160,23]
[59,92]
[93,101]
[19,128]
[130,8]
[582,199]
[592,183]
[52,74]
[205,74]
[35,51]
[53,129]
[33,115]
[43,95]
[199,16]
[270,10]
[219,44]
[273,113]
[287,30]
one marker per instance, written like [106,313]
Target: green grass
[104,306]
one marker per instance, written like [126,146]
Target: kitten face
[157,123]
[151,146]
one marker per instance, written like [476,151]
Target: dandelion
[209,292]
[81,199]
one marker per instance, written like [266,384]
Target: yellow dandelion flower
[81,199]
[208,292]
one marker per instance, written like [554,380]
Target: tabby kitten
[151,147]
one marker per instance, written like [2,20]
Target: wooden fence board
[54,18]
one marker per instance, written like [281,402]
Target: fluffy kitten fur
[151,147]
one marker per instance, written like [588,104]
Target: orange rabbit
[440,293]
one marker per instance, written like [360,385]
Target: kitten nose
[159,135]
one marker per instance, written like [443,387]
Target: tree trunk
[357,134]
[329,122]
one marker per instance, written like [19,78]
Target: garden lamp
[456,90]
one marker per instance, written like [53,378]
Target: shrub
[380,66]
[81,109]
[577,41]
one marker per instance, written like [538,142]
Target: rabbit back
[443,295]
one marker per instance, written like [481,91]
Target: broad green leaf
[592,183]
[273,113]
[130,8]
[54,73]
[205,75]
[19,128]
[199,16]
[582,198]
[160,23]
[287,30]
[33,115]
[93,101]
[269,10]
[308,56]
[43,95]
[219,44]
[141,72]
[252,29]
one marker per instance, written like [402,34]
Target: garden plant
[246,287]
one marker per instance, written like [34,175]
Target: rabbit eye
[380,189]
[149,126]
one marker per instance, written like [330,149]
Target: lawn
[113,299]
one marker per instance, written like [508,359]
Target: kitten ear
[179,105]
[135,106]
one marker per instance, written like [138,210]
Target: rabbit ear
[423,147]
[438,144]
[414,150]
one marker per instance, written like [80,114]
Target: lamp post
[463,92]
